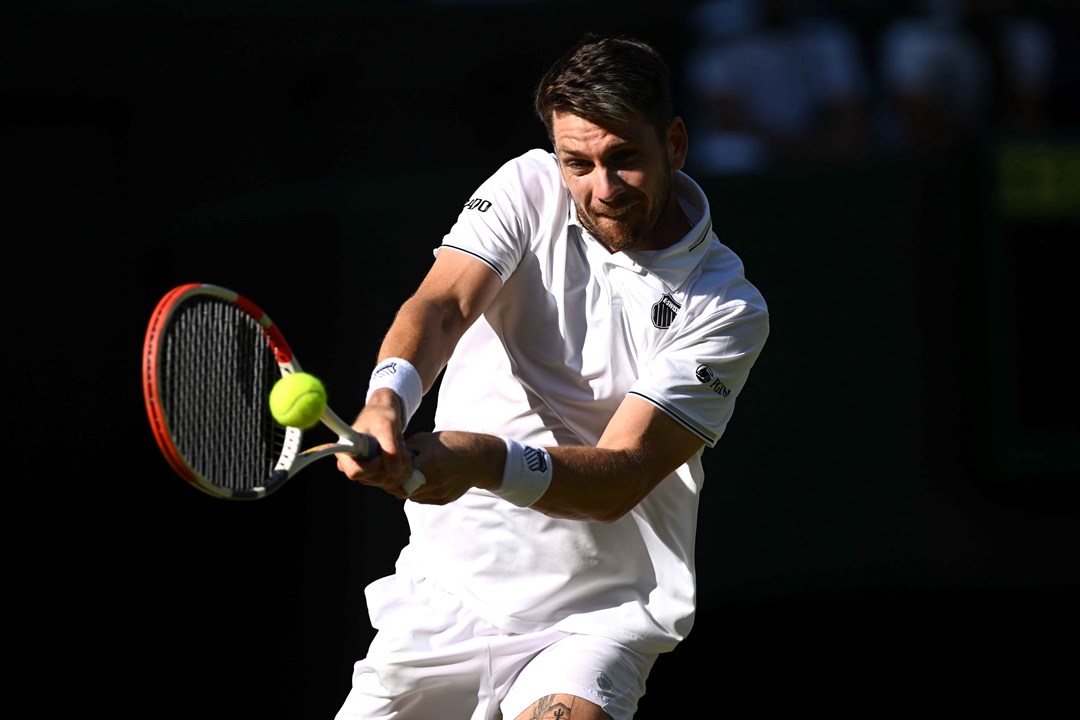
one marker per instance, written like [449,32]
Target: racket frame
[292,458]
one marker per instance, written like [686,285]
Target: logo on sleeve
[706,376]
[664,311]
[478,204]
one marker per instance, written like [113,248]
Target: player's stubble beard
[635,231]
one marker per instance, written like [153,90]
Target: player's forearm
[594,484]
[586,483]
[424,333]
[429,324]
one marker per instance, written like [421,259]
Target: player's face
[620,178]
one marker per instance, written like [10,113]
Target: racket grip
[415,481]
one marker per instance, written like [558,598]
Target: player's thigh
[582,677]
[564,707]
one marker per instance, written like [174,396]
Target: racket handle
[415,480]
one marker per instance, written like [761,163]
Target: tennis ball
[298,400]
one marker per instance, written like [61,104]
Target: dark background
[890,519]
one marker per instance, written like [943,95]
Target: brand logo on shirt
[478,204]
[706,376]
[664,311]
[604,685]
[534,459]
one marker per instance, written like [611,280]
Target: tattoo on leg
[547,708]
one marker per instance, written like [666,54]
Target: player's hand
[452,462]
[381,418]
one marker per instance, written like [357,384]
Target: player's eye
[626,160]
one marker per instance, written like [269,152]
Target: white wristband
[527,473]
[400,376]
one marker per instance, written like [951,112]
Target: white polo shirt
[573,330]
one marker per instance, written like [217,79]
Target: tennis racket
[210,359]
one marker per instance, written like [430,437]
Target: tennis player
[593,336]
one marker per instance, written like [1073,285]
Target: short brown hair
[607,80]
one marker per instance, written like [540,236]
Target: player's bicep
[656,441]
[461,285]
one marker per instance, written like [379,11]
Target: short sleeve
[697,374]
[498,222]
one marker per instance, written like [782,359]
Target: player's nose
[608,184]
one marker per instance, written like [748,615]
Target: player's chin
[619,236]
[622,231]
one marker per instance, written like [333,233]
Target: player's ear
[677,143]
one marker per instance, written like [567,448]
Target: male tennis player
[594,335]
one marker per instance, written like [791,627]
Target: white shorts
[433,659]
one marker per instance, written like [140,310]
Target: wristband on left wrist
[399,375]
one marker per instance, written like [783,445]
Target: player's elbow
[618,503]
[604,514]
[612,513]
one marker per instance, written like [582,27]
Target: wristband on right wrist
[526,474]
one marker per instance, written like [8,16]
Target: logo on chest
[664,311]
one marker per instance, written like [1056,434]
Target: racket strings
[217,373]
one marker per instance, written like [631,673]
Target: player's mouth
[615,214]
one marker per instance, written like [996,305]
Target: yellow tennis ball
[298,400]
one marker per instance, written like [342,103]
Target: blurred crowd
[773,82]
